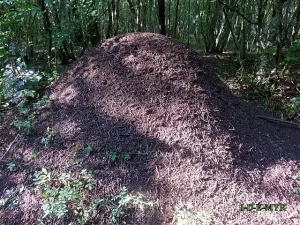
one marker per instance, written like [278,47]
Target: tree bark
[176,18]
[109,25]
[47,23]
[161,16]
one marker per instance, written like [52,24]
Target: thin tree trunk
[279,29]
[176,18]
[161,16]
[47,23]
[297,24]
[189,22]
[109,25]
[117,17]
[169,15]
[144,16]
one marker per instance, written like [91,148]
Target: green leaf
[35,155]
[3,201]
[113,156]
[295,190]
[127,156]
[88,150]
[44,195]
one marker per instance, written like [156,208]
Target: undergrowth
[68,195]
[186,214]
[264,82]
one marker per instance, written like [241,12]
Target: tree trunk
[109,25]
[297,25]
[161,16]
[243,42]
[176,18]
[117,17]
[278,35]
[47,23]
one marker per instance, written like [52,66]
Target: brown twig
[9,147]
[279,120]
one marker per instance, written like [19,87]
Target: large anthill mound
[189,138]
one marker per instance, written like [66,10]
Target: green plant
[3,201]
[88,150]
[43,102]
[68,193]
[293,53]
[65,192]
[27,115]
[34,155]
[18,82]
[22,125]
[295,185]
[46,140]
[127,156]
[185,214]
[11,197]
[113,156]
[292,108]
[76,149]
[12,166]
[118,204]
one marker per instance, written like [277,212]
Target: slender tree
[161,16]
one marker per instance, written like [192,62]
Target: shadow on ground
[189,138]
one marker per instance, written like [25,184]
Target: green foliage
[12,166]
[28,114]
[118,204]
[68,193]
[113,156]
[295,185]
[3,201]
[34,155]
[293,53]
[22,125]
[43,102]
[292,108]
[11,197]
[127,156]
[76,149]
[46,140]
[65,192]
[17,83]
[88,150]
[185,214]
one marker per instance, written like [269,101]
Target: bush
[17,82]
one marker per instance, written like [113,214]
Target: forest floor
[147,113]
[244,84]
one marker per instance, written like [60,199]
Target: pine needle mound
[190,140]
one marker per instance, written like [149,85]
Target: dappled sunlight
[66,94]
[67,129]
[145,113]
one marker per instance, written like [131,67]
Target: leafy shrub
[46,140]
[70,194]
[293,53]
[292,108]
[17,82]
[27,115]
[65,192]
[185,214]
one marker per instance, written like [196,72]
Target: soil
[190,139]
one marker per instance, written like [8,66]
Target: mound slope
[190,139]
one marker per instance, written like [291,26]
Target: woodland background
[260,39]
[199,142]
